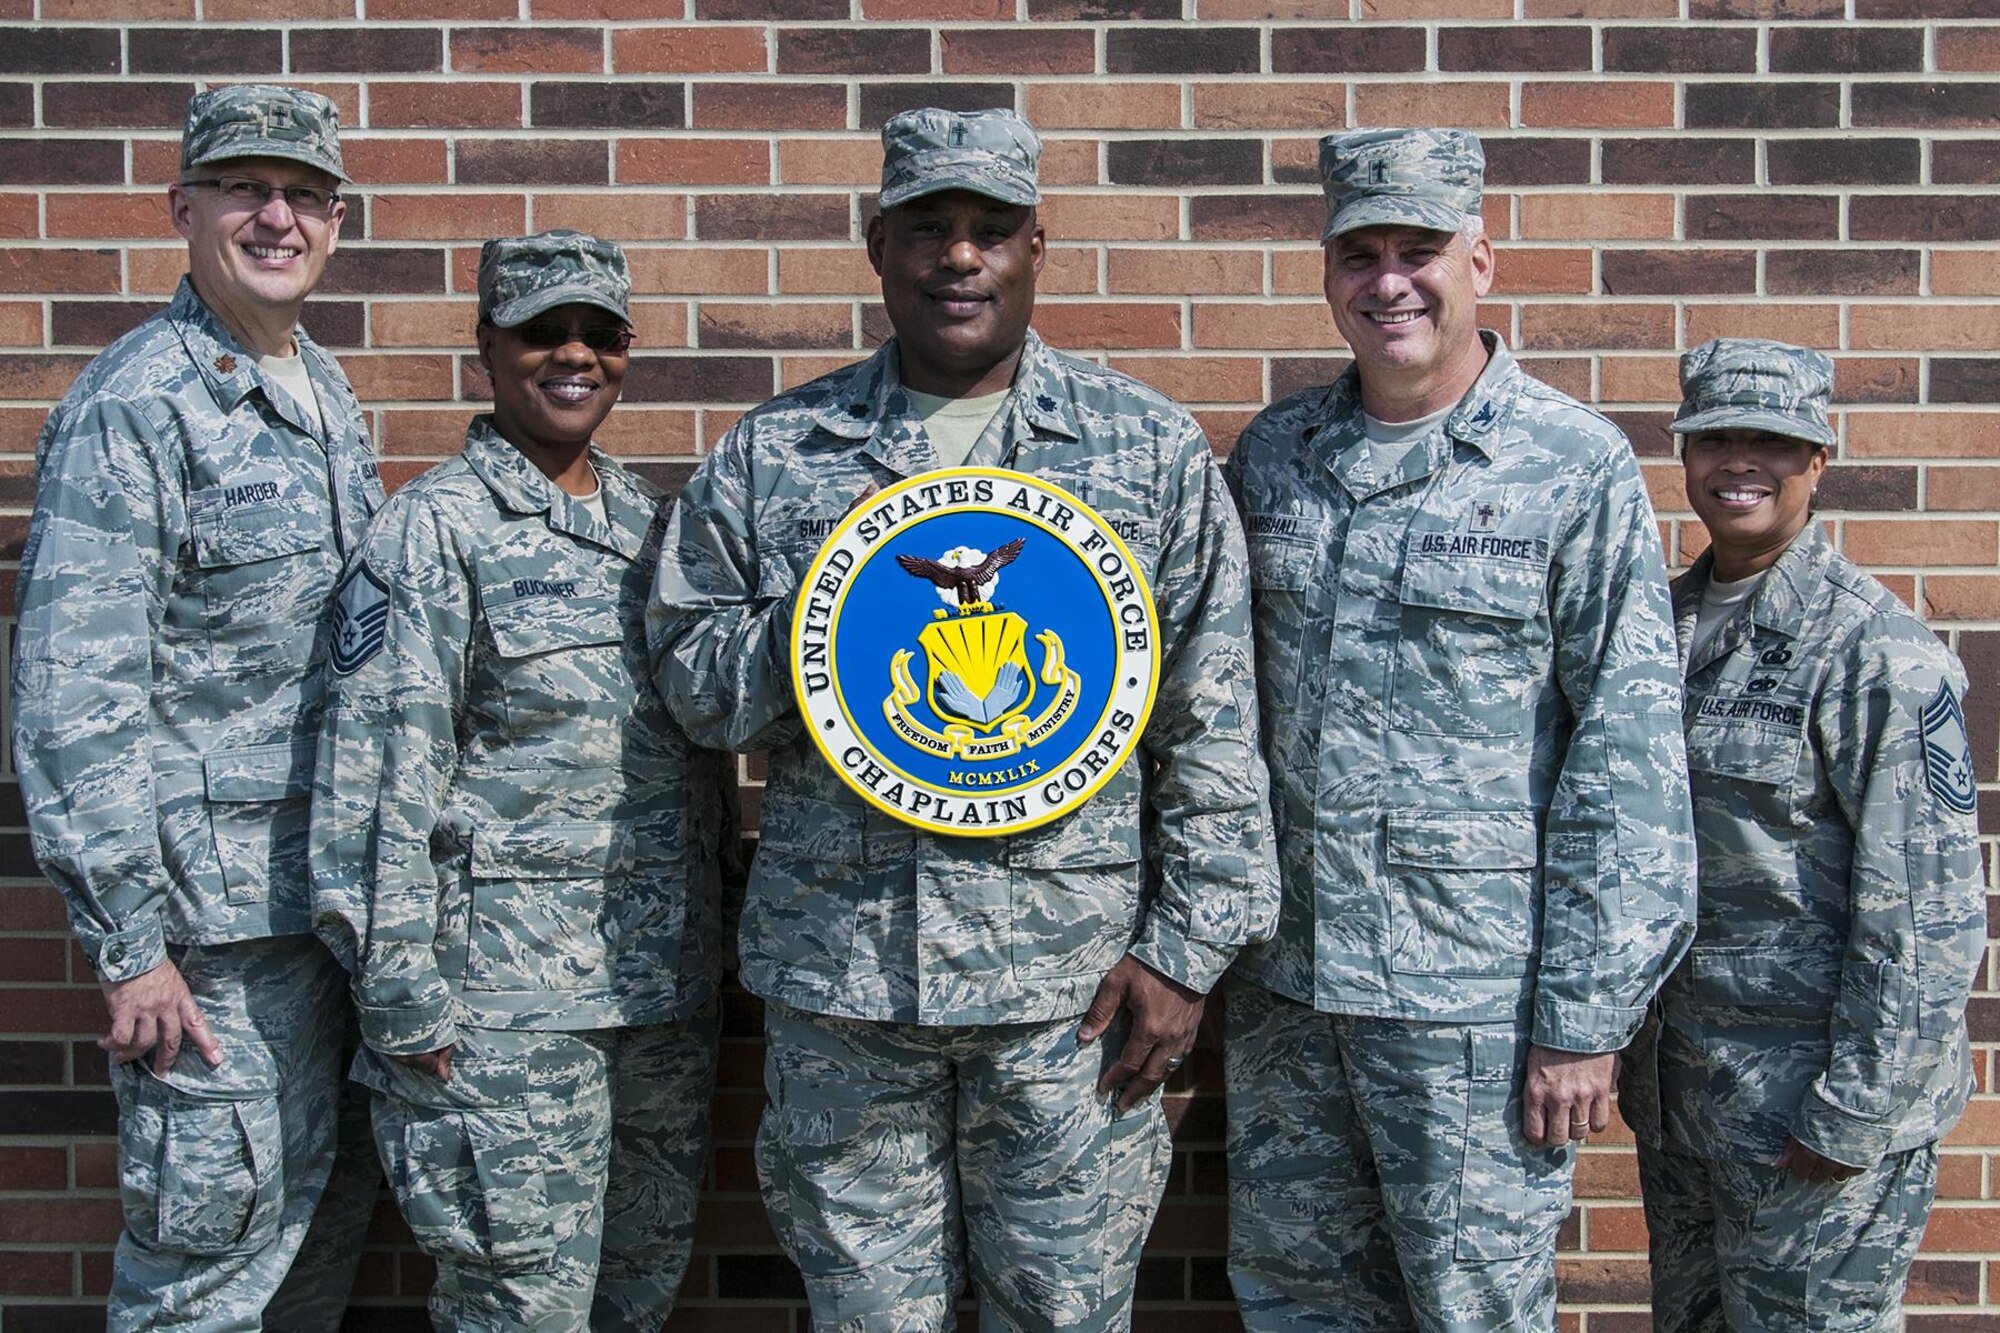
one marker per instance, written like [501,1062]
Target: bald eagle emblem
[971,575]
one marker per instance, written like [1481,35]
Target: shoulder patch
[360,620]
[1948,752]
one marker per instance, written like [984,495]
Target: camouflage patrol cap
[522,276]
[931,150]
[1755,384]
[262,120]
[1405,178]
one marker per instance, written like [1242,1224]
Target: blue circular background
[886,607]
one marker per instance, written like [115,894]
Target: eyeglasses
[615,339]
[306,200]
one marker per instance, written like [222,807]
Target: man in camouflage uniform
[195,492]
[515,848]
[1811,1050]
[1466,668]
[930,1087]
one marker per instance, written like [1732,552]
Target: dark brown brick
[1843,272]
[1881,489]
[1181,50]
[528,51]
[871,50]
[1531,161]
[1182,162]
[53,50]
[1018,51]
[1762,106]
[95,323]
[1969,106]
[1965,379]
[24,1062]
[1536,48]
[1927,9]
[1923,217]
[367,49]
[62,161]
[763,1276]
[879,101]
[231,51]
[1844,161]
[370,270]
[700,379]
[1762,217]
[1104,11]
[1790,10]
[1686,50]
[754,106]
[532,162]
[767,217]
[671,478]
[607,106]
[1347,50]
[1680,161]
[339,324]
[1845,50]
[130,104]
[1965,162]
[65,1113]
[1647,431]
[1678,272]
[17,105]
[1255,217]
[779,11]
[1943,1281]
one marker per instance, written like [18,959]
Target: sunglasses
[546,333]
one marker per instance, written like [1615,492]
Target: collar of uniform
[1475,421]
[1787,592]
[522,488]
[225,365]
[864,401]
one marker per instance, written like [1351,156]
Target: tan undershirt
[955,424]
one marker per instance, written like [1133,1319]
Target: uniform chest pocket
[558,658]
[255,533]
[1281,564]
[1472,649]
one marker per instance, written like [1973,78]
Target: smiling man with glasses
[196,491]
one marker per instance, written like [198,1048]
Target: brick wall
[1662,171]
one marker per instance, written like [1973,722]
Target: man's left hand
[1810,1166]
[1165,1017]
[1567,1095]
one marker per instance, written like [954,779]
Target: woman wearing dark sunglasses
[514,846]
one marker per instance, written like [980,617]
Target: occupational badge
[975,652]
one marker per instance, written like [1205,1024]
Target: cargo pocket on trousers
[1512,1195]
[199,1175]
[471,1187]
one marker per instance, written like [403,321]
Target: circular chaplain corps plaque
[975,651]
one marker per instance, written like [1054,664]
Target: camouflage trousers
[553,1178]
[1743,1245]
[223,1172]
[1378,1176]
[891,1154]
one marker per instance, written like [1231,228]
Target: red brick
[693,162]
[794,324]
[1965,272]
[1922,434]
[1110,217]
[765,106]
[32,1168]
[1968,49]
[689,51]
[1426,10]
[1084,326]
[1596,216]
[851,162]
[1611,105]
[1804,325]
[1473,105]
[395,161]
[1962,488]
[431,216]
[1198,379]
[526,50]
[1928,541]
[955,11]
[94,272]
[141,214]
[1526,271]
[1265,325]
[1019,53]
[1186,271]
[404,377]
[1270,106]
[1942,328]
[1107,106]
[620,11]
[458,11]
[699,272]
[425,323]
[824,271]
[1596,324]
[625,214]
[457,104]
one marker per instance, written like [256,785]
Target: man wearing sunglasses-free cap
[196,492]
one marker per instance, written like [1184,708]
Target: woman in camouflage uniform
[514,847]
[1811,1049]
